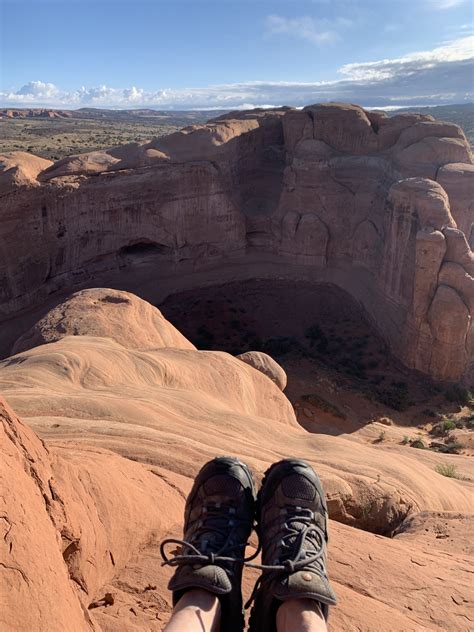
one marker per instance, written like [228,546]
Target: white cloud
[315,31]
[37,89]
[459,50]
[442,75]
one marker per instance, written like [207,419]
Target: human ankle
[304,615]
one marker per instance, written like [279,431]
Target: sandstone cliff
[381,207]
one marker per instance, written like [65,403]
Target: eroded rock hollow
[379,206]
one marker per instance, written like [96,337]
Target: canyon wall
[380,206]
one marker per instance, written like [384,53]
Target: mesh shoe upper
[292,524]
[218,519]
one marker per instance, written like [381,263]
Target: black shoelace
[294,557]
[213,522]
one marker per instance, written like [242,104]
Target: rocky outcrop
[105,313]
[19,169]
[376,205]
[266,365]
[61,536]
[457,180]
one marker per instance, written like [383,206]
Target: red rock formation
[330,193]
[80,525]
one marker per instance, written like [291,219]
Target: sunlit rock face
[379,206]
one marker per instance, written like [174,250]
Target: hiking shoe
[218,519]
[292,524]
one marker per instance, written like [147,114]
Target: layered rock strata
[379,206]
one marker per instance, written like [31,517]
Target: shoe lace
[298,528]
[214,524]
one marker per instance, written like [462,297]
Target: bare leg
[197,611]
[300,615]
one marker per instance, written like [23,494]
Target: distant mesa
[379,206]
[34,113]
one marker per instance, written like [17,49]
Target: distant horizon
[387,108]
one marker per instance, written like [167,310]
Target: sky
[226,54]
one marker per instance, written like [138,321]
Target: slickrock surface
[266,365]
[125,426]
[106,314]
[20,169]
[377,206]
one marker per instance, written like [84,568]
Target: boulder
[457,179]
[105,313]
[266,365]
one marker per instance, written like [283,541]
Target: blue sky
[235,53]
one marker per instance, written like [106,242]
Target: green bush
[418,443]
[443,428]
[459,395]
[447,470]
[280,346]
[394,398]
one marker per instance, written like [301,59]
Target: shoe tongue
[298,527]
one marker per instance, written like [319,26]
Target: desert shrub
[382,436]
[357,369]
[453,447]
[377,379]
[255,343]
[317,337]
[418,443]
[446,469]
[405,440]
[315,333]
[323,404]
[204,338]
[400,385]
[279,346]
[204,332]
[459,395]
[394,398]
[443,427]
